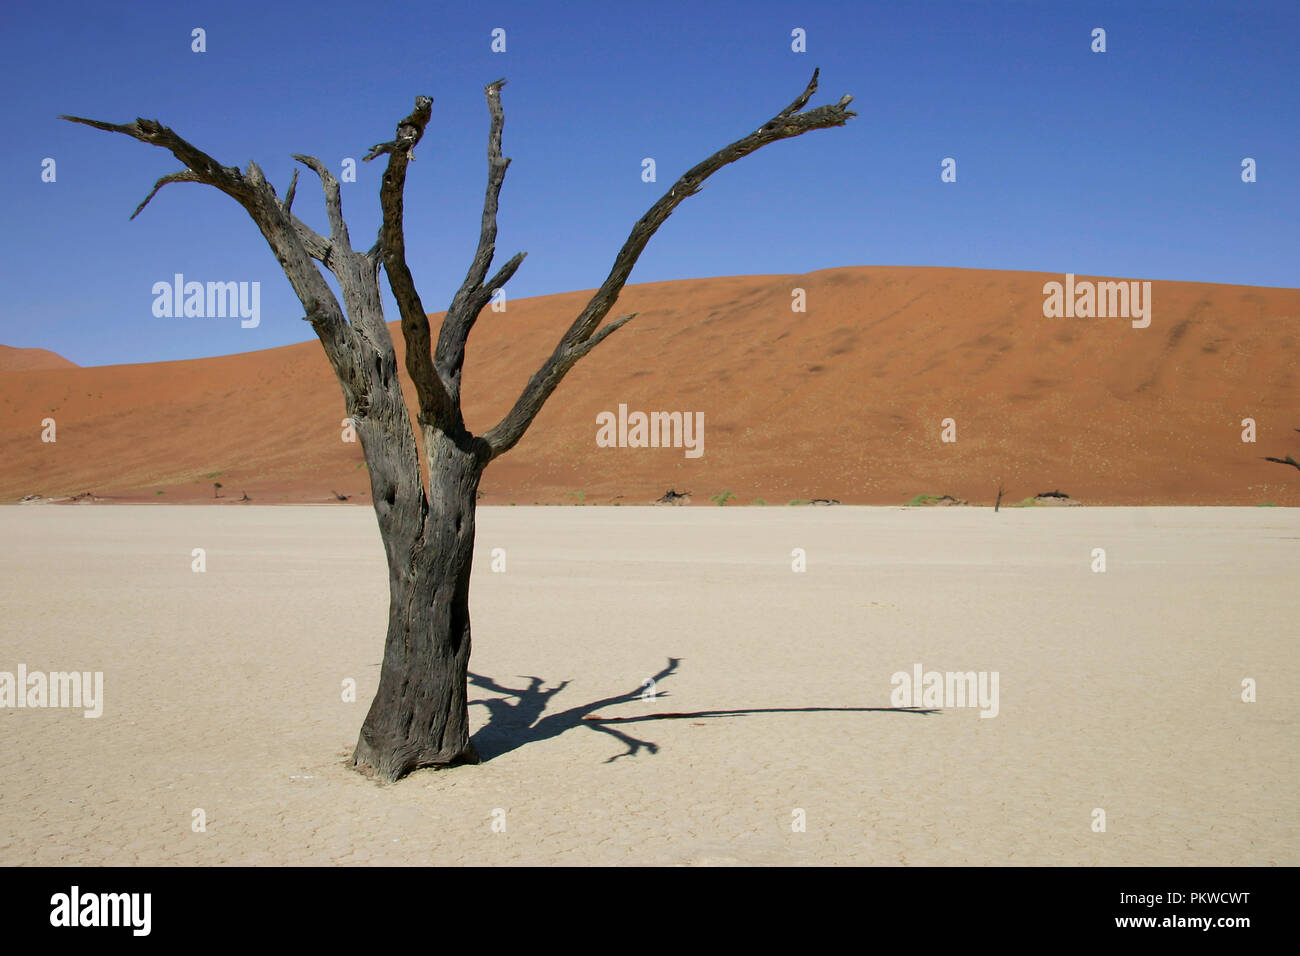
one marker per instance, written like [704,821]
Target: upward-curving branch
[436,406]
[475,292]
[294,243]
[581,336]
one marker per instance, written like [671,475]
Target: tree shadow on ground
[519,717]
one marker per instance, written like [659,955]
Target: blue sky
[1125,163]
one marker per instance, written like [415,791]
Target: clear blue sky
[1125,163]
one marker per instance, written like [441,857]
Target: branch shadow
[519,716]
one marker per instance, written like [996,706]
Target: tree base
[392,766]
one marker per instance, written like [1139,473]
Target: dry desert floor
[224,690]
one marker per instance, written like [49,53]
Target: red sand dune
[844,401]
[22,360]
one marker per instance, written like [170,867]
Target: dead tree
[419,716]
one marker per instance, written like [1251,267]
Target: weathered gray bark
[420,713]
[419,716]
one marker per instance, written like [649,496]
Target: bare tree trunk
[420,714]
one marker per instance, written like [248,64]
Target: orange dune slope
[846,400]
[21,360]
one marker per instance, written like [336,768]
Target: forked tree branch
[604,332]
[475,293]
[436,405]
[333,200]
[317,246]
[581,336]
[293,243]
[205,169]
